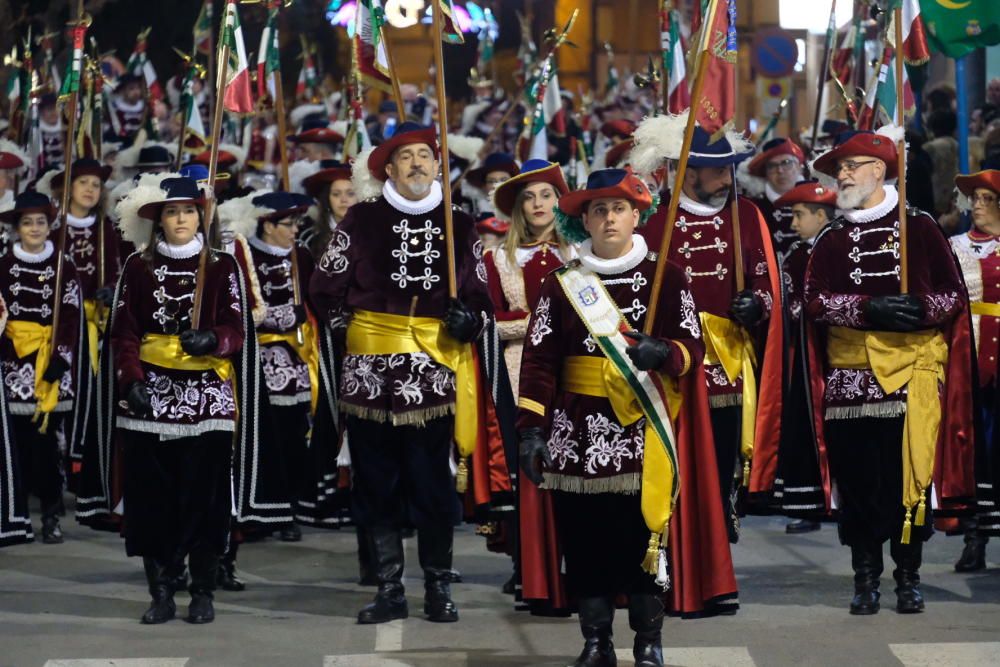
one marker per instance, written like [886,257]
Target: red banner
[716,104]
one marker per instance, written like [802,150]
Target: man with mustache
[702,243]
[404,387]
[780,165]
[895,369]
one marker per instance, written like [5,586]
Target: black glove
[138,399]
[532,448]
[648,353]
[105,295]
[747,308]
[901,312]
[462,323]
[300,314]
[199,342]
[56,368]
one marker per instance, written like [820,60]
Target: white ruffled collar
[626,262]
[33,258]
[697,208]
[263,246]
[880,210]
[80,223]
[410,207]
[50,127]
[186,251]
[771,194]
[133,107]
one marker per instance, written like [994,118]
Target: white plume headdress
[240,215]
[366,185]
[657,138]
[8,146]
[146,190]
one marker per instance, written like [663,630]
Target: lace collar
[771,194]
[33,258]
[80,223]
[410,207]
[263,246]
[880,210]
[186,251]
[697,208]
[626,262]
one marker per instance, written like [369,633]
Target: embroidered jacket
[857,258]
[592,452]
[156,298]
[979,258]
[388,256]
[27,284]
[286,373]
[702,245]
[239,247]
[130,116]
[83,239]
[779,221]
[53,142]
[793,276]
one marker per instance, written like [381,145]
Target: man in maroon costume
[385,268]
[780,165]
[876,350]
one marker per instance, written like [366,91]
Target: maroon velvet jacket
[779,221]
[857,258]
[591,451]
[793,275]
[185,403]
[385,260]
[979,258]
[27,284]
[286,373]
[82,245]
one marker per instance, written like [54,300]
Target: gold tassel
[652,559]
[921,510]
[45,420]
[905,539]
[462,476]
[746,473]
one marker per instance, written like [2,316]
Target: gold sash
[382,333]
[29,337]
[94,313]
[596,376]
[308,351]
[986,308]
[166,351]
[917,361]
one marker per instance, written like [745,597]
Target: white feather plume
[750,185]
[341,127]
[739,142]
[657,138]
[44,184]
[8,146]
[469,115]
[134,229]
[116,194]
[129,157]
[299,171]
[466,148]
[240,215]
[366,185]
[299,113]
[237,152]
[963,201]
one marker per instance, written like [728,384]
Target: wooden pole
[737,240]
[67,186]
[675,194]
[449,227]
[824,67]
[904,274]
[396,90]
[279,111]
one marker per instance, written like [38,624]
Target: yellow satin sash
[985,308]
[917,361]
[730,345]
[382,333]
[166,351]
[596,376]
[29,337]
[95,325]
[308,351]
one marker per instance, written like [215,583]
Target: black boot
[204,564]
[596,615]
[291,533]
[162,608]
[800,526]
[973,556]
[227,579]
[867,563]
[51,532]
[434,547]
[178,576]
[908,557]
[645,616]
[387,556]
[366,569]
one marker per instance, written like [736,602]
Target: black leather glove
[648,353]
[747,308]
[56,368]
[532,449]
[138,399]
[300,314]
[199,342]
[901,312]
[462,323]
[105,295]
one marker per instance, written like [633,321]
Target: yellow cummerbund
[166,351]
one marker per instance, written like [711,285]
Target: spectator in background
[943,149]
[993,92]
[919,168]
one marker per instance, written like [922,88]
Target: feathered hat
[12,156]
[240,214]
[146,189]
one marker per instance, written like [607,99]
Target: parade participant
[491,230]
[887,356]
[735,322]
[799,487]
[495,169]
[52,130]
[15,519]
[980,263]
[407,377]
[333,191]
[129,106]
[780,164]
[316,140]
[12,160]
[38,378]
[597,400]
[178,412]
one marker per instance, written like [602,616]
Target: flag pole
[279,111]
[397,92]
[675,194]
[449,227]
[904,274]
[831,30]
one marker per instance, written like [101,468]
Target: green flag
[958,28]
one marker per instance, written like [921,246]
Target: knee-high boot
[387,557]
[908,557]
[366,568]
[973,556]
[434,547]
[204,565]
[162,607]
[645,617]
[596,616]
[867,563]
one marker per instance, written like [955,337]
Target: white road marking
[702,656]
[389,636]
[967,654]
[119,662]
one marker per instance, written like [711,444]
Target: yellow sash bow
[29,337]
[166,351]
[914,360]
[730,345]
[382,333]
[94,312]
[308,351]
[985,308]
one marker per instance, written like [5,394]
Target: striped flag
[203,29]
[678,94]
[450,31]
[138,65]
[236,97]
[717,106]
[268,58]
[71,84]
[193,126]
[369,45]
[306,83]
[915,49]
[880,99]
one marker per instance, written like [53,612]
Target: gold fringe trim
[409,418]
[884,410]
[725,400]
[628,484]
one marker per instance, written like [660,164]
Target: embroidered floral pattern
[608,444]
[540,325]
[283,372]
[689,314]
[19,379]
[562,448]
[716,375]
[71,296]
[765,298]
[281,317]
[853,385]
[416,379]
[334,259]
[183,400]
[940,306]
[843,310]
